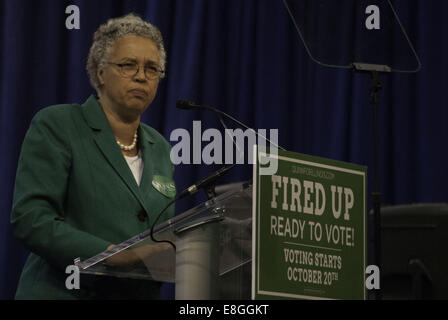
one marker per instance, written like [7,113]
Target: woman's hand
[130,257]
[123,258]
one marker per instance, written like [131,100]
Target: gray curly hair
[117,28]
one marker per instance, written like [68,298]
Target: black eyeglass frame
[159,73]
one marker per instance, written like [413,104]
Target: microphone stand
[209,182]
[206,183]
[375,88]
[210,189]
[188,105]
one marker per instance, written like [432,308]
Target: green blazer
[75,195]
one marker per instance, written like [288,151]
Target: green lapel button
[164,185]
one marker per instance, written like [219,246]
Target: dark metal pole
[376,195]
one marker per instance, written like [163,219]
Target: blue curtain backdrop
[245,57]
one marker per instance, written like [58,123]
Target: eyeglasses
[131,69]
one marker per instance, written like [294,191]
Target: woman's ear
[99,74]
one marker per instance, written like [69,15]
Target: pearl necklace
[130,147]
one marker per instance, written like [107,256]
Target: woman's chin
[133,110]
[138,103]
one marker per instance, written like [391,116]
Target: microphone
[186,105]
[208,180]
[189,105]
[203,183]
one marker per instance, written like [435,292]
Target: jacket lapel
[145,145]
[105,140]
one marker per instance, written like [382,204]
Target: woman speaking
[92,175]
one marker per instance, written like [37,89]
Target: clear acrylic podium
[213,255]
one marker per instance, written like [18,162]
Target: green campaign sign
[309,228]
